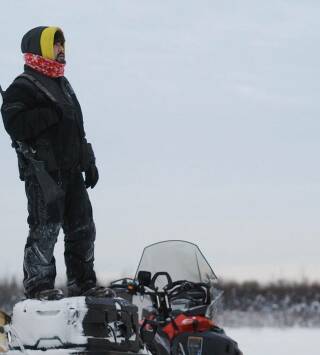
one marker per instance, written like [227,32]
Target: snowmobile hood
[40,41]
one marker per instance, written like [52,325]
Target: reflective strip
[13,106]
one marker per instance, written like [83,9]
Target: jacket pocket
[44,152]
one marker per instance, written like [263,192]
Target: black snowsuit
[55,130]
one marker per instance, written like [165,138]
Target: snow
[52,322]
[267,341]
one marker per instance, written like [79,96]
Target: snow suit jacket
[54,129]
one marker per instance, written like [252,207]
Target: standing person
[40,110]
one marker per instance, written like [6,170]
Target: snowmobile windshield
[180,259]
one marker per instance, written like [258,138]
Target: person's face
[58,50]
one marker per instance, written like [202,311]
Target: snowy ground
[271,341]
[264,341]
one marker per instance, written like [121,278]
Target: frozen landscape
[204,116]
[266,341]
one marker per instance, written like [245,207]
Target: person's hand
[91,176]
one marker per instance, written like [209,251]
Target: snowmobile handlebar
[173,290]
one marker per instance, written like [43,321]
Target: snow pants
[74,214]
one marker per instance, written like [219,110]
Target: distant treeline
[275,304]
[10,293]
[242,304]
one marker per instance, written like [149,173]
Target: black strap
[38,85]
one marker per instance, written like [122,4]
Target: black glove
[91,176]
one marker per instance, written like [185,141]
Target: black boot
[74,290]
[99,291]
[52,294]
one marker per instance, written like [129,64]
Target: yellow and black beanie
[40,41]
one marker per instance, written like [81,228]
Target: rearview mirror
[144,278]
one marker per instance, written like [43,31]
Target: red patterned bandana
[43,65]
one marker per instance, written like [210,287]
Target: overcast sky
[204,116]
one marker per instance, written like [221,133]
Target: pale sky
[204,117]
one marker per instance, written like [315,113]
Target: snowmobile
[174,288]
